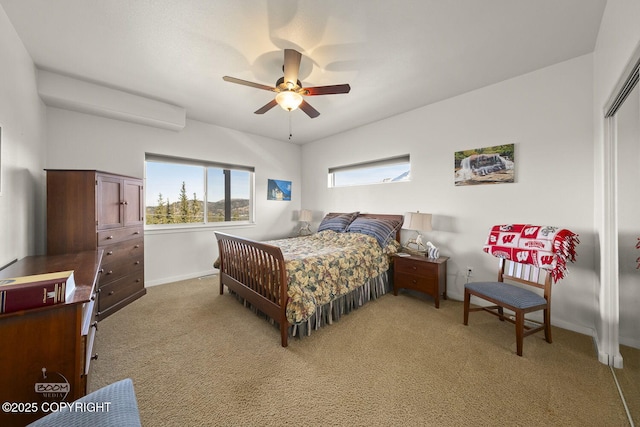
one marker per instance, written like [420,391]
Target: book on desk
[39,290]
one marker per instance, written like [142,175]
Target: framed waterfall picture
[489,165]
[278,190]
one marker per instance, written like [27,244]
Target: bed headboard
[373,215]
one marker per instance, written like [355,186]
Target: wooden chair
[518,299]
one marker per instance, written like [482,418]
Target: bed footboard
[256,272]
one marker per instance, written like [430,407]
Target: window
[186,191]
[393,169]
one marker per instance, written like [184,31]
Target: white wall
[547,114]
[618,37]
[82,141]
[22,119]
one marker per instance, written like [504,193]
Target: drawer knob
[94,357]
[414,267]
[109,237]
[136,232]
[112,292]
[110,253]
[137,262]
[137,280]
[136,246]
[110,272]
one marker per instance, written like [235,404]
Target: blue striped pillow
[384,230]
[337,223]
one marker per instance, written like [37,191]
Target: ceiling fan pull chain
[290,133]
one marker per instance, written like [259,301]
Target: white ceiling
[397,55]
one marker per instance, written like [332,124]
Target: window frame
[204,164]
[388,161]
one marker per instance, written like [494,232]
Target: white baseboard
[166,280]
[584,330]
[630,342]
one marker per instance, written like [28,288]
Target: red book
[23,293]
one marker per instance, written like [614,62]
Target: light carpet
[201,359]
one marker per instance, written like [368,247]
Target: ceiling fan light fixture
[289,100]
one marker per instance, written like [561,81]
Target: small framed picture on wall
[278,190]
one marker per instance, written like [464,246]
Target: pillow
[337,223]
[384,230]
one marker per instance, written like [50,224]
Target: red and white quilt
[545,247]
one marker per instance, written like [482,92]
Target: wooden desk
[58,338]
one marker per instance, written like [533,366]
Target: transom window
[187,191]
[395,169]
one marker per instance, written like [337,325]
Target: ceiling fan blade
[267,107]
[291,65]
[326,90]
[311,112]
[248,83]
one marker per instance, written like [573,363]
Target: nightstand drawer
[411,266]
[418,283]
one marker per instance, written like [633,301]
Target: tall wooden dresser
[89,209]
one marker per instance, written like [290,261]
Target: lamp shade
[305,215]
[289,100]
[417,221]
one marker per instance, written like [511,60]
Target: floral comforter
[326,265]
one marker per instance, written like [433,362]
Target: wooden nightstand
[421,274]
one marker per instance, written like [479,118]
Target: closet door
[627,159]
[628,179]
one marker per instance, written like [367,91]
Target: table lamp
[305,218]
[419,222]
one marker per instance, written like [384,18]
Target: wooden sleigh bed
[277,283]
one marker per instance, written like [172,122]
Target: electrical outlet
[469,271]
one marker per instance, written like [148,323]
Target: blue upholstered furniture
[111,406]
[522,297]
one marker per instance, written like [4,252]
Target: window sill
[195,228]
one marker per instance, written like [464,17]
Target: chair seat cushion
[507,294]
[119,408]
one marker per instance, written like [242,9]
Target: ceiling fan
[289,89]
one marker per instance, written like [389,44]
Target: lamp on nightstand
[419,222]
[305,218]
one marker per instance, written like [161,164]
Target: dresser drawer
[130,249]
[110,237]
[89,340]
[119,290]
[410,266]
[116,270]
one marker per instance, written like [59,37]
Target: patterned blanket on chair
[542,246]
